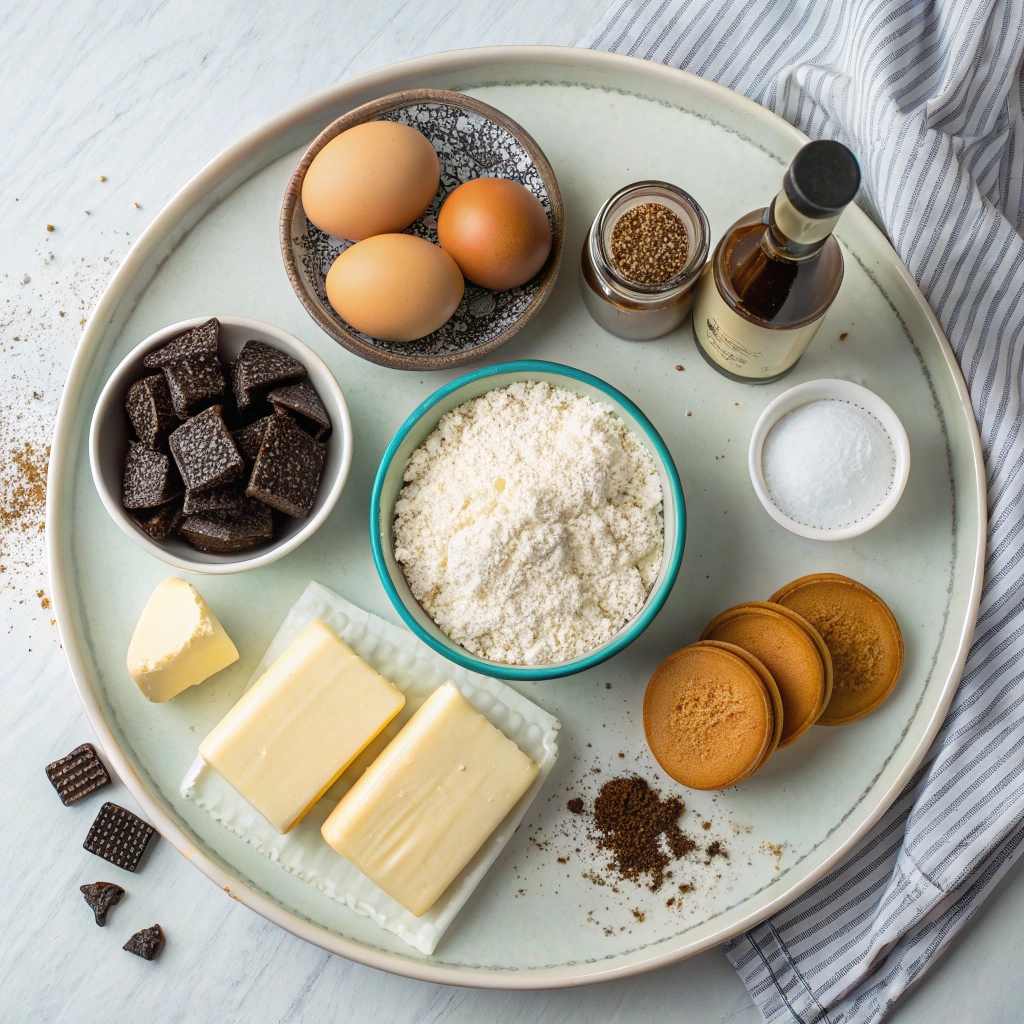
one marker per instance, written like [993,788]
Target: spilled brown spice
[635,826]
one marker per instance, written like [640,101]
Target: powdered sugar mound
[530,526]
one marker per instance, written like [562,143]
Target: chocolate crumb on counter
[101,896]
[147,943]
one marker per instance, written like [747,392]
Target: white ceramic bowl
[109,432]
[843,391]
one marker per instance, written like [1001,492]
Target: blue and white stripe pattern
[928,94]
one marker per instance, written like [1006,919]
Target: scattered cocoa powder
[635,826]
[23,490]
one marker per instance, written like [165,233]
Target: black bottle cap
[822,179]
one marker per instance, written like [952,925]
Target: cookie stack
[823,650]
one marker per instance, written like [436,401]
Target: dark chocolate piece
[194,383]
[205,452]
[148,943]
[150,478]
[148,404]
[259,366]
[161,522]
[198,343]
[303,400]
[224,533]
[78,774]
[101,896]
[286,474]
[227,498]
[119,836]
[249,439]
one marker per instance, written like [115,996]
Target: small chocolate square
[149,408]
[150,478]
[249,439]
[161,522]
[227,498]
[101,896]
[200,342]
[119,836]
[78,774]
[147,943]
[302,400]
[286,474]
[260,366]
[224,533]
[205,452]
[194,383]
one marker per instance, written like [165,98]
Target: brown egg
[376,178]
[496,230]
[395,287]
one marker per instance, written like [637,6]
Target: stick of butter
[300,725]
[421,811]
[177,643]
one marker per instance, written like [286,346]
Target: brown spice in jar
[635,826]
[649,244]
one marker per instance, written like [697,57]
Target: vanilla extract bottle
[767,288]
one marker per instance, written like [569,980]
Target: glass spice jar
[638,282]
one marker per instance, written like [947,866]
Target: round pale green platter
[602,121]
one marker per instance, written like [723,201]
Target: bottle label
[738,346]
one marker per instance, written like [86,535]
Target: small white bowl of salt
[829,459]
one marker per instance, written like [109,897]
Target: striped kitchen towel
[928,94]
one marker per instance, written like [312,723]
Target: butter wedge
[420,812]
[300,725]
[177,643]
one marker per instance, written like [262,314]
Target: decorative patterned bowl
[423,420]
[473,140]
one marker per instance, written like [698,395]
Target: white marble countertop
[144,95]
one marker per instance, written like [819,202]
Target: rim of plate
[548,274]
[632,629]
[231,167]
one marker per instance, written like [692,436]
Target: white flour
[530,526]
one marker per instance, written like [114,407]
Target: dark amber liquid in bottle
[769,286]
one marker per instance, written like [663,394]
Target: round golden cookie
[773,695]
[792,651]
[709,718]
[862,636]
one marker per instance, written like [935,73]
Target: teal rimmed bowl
[418,426]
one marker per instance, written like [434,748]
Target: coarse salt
[530,527]
[828,464]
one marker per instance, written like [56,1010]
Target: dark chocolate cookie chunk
[224,533]
[205,452]
[101,896]
[78,774]
[119,836]
[226,498]
[198,343]
[303,400]
[258,367]
[148,404]
[194,383]
[249,439]
[150,478]
[148,943]
[286,474]
[161,522]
